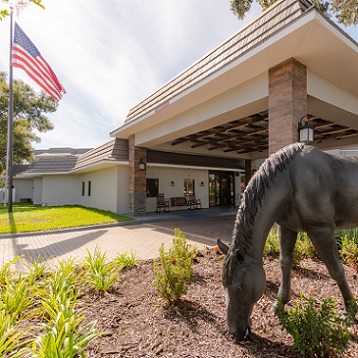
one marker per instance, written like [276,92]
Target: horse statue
[301,189]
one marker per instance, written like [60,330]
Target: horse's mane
[255,193]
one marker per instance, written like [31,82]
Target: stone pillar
[287,102]
[137,179]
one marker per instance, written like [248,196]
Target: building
[241,102]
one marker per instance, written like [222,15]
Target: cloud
[112,54]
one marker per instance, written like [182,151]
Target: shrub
[349,251]
[173,271]
[272,245]
[316,333]
[303,249]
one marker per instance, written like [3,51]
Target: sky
[110,55]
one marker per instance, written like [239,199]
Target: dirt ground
[137,323]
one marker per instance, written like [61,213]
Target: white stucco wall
[24,189]
[37,192]
[123,189]
[109,189]
[166,175]
[60,190]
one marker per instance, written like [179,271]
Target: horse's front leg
[287,244]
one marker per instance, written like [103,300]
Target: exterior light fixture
[172,183]
[306,130]
[141,164]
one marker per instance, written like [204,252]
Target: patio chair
[162,205]
[194,203]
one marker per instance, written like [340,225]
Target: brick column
[287,102]
[137,179]
[250,169]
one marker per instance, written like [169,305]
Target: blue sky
[109,55]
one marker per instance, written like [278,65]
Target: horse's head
[244,282]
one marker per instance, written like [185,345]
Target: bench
[179,201]
[189,201]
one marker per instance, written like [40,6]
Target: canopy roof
[219,105]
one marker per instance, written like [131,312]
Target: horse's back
[324,189]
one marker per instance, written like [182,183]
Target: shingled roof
[51,161]
[271,21]
[113,151]
[66,160]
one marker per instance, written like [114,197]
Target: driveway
[144,237]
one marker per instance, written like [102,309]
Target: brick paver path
[143,239]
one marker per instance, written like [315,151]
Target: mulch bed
[137,323]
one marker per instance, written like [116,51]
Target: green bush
[272,245]
[316,333]
[349,250]
[303,249]
[173,271]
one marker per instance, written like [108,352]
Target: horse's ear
[222,247]
[239,257]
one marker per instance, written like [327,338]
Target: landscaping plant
[100,274]
[64,337]
[11,337]
[6,273]
[125,260]
[272,245]
[349,250]
[37,270]
[173,271]
[16,298]
[316,333]
[303,249]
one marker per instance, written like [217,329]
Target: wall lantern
[141,164]
[172,183]
[306,130]
[202,183]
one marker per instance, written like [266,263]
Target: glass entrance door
[221,189]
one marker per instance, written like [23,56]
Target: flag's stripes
[21,60]
[26,56]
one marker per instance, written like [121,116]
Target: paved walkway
[144,236]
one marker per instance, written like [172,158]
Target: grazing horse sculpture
[301,189]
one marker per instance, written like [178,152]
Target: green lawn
[29,217]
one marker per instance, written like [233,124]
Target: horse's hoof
[247,337]
[274,309]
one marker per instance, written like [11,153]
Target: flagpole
[10,129]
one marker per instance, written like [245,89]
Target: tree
[18,5]
[29,115]
[346,11]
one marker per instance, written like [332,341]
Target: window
[189,185]
[89,188]
[152,187]
[83,188]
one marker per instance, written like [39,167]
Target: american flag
[26,56]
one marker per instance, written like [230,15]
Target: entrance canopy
[219,107]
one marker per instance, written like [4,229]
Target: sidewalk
[143,236]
